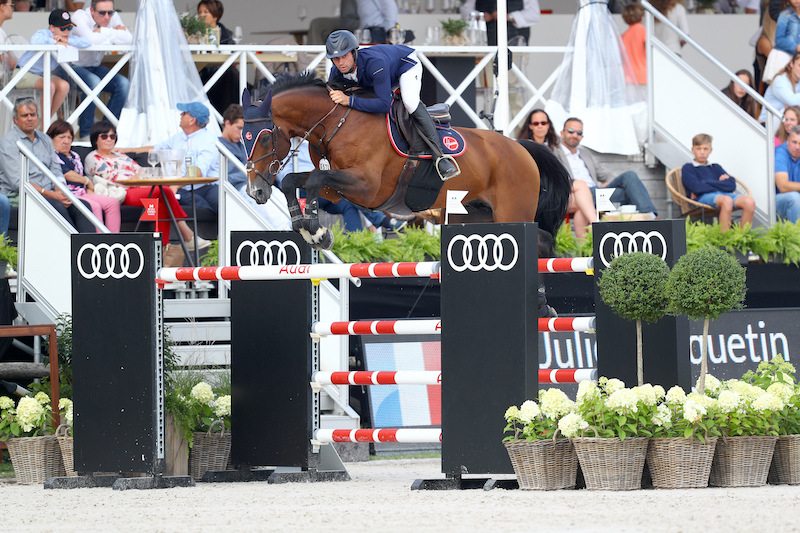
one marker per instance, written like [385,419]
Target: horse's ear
[246,98]
[266,105]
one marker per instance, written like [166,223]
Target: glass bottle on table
[191,169]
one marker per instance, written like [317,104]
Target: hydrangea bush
[612,410]
[208,408]
[28,418]
[532,421]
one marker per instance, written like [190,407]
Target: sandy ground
[379,498]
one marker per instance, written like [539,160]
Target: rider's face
[344,63]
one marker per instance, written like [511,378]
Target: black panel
[665,351]
[489,344]
[270,359]
[114,352]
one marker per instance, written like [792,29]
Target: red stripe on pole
[559,376]
[385,435]
[341,435]
[361,378]
[385,378]
[381,270]
[184,274]
[339,328]
[362,328]
[407,269]
[359,270]
[385,327]
[230,273]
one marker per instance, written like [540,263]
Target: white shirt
[85,26]
[676,15]
[578,167]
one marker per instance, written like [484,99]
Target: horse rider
[382,67]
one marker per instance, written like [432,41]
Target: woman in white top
[676,13]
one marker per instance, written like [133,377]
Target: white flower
[555,403]
[512,413]
[781,390]
[749,392]
[222,407]
[646,394]
[613,385]
[202,393]
[768,402]
[6,403]
[693,411]
[676,396]
[712,384]
[663,416]
[623,401]
[587,391]
[659,390]
[528,411]
[729,401]
[68,415]
[42,398]
[572,425]
[63,403]
[30,413]
[706,401]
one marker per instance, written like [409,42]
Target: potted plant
[634,286]
[27,430]
[195,28]
[210,413]
[704,284]
[542,460]
[454,32]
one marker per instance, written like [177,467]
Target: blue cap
[197,110]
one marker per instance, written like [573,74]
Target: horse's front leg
[289,186]
[315,234]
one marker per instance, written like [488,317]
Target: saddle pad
[452,141]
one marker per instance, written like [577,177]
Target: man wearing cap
[102,25]
[58,33]
[201,146]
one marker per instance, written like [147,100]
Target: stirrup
[450,174]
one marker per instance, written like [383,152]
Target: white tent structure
[596,84]
[162,74]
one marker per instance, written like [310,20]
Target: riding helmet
[339,43]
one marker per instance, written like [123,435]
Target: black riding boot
[445,164]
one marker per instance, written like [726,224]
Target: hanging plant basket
[742,461]
[210,452]
[680,463]
[610,463]
[785,466]
[35,459]
[543,464]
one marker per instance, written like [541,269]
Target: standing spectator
[676,13]
[787,177]
[100,24]
[26,118]
[62,134]
[787,30]
[634,40]
[783,91]
[521,15]
[737,93]
[766,41]
[791,118]
[58,33]
[709,184]
[226,90]
[378,16]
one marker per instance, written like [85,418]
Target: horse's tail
[554,187]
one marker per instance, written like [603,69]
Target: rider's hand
[339,97]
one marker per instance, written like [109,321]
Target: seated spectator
[539,128]
[58,33]
[115,166]
[709,184]
[787,177]
[581,166]
[740,96]
[61,133]
[783,91]
[26,118]
[791,118]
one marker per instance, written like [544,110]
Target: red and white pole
[575,323]
[567,375]
[401,377]
[378,327]
[378,435]
[567,264]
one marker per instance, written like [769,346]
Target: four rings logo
[626,243]
[280,256]
[475,254]
[118,261]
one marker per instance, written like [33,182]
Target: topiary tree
[704,284]
[634,286]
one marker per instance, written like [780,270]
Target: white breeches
[411,84]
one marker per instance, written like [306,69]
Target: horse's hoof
[306,236]
[326,240]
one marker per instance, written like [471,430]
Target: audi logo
[267,253]
[475,253]
[626,243]
[110,261]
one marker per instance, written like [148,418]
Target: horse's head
[265,145]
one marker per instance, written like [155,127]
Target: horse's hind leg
[289,186]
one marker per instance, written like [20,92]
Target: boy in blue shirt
[709,184]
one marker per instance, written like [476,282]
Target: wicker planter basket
[35,459]
[785,467]
[742,461]
[543,464]
[65,443]
[210,452]
[611,464]
[680,463]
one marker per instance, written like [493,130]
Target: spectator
[102,25]
[766,41]
[787,177]
[791,118]
[226,89]
[709,184]
[787,30]
[378,16]
[61,133]
[783,91]
[321,27]
[737,93]
[8,62]
[521,15]
[201,145]
[581,166]
[676,13]
[232,140]
[26,118]
[540,129]
[111,165]
[58,33]
[634,40]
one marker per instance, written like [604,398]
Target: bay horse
[505,175]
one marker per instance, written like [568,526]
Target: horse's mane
[304,79]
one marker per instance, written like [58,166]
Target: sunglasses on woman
[106,136]
[540,123]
